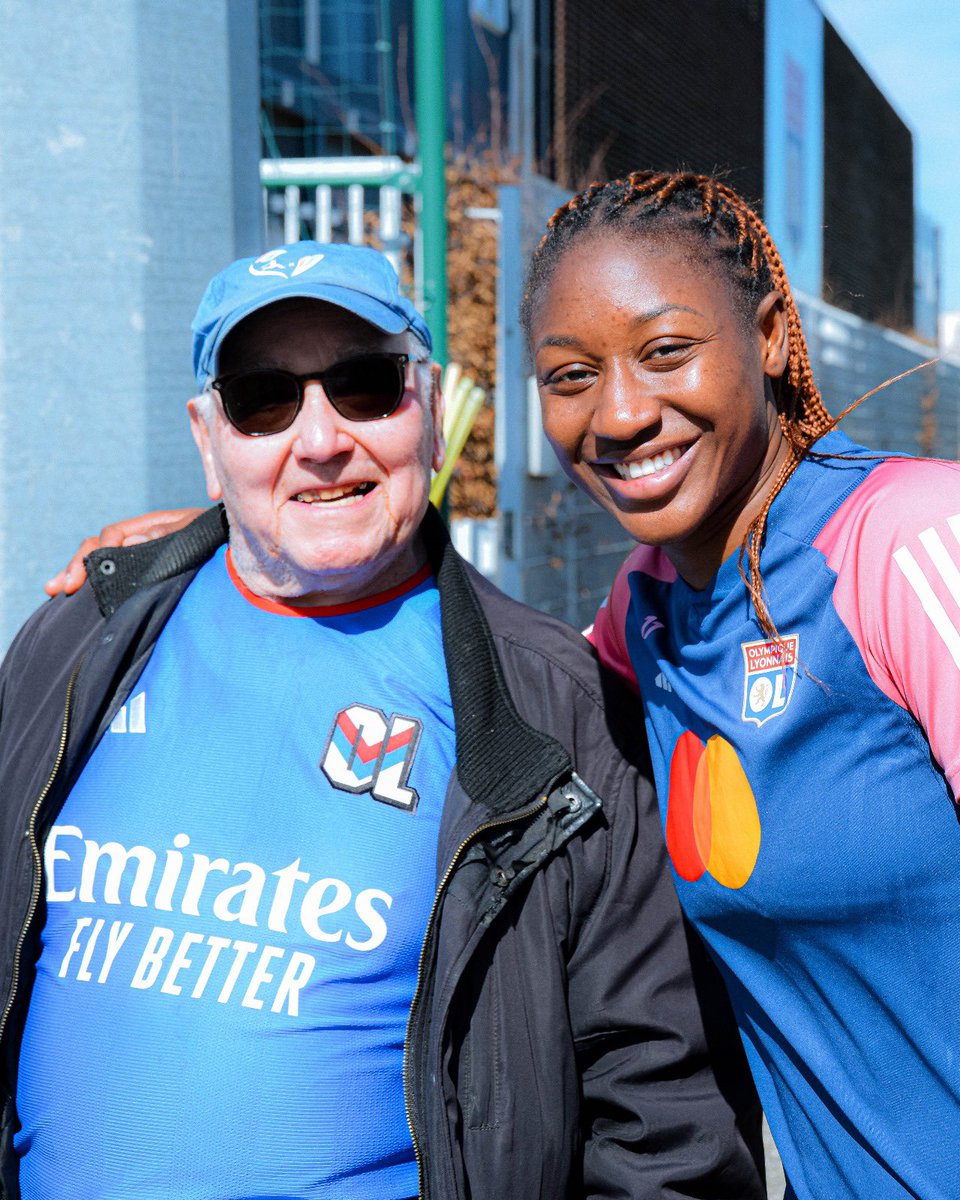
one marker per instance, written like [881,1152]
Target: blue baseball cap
[357,278]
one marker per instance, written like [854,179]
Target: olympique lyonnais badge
[769,673]
[366,753]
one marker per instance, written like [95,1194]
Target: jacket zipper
[520,815]
[32,834]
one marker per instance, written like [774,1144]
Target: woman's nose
[626,406]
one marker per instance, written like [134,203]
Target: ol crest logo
[769,673]
[367,753]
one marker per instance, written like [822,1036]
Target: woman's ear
[774,334]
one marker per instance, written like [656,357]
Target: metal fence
[343,199]
[850,356]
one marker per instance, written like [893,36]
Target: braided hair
[672,207]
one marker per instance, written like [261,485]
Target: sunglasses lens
[365,389]
[261,402]
[268,400]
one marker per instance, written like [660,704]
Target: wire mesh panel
[331,78]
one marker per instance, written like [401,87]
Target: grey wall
[128,175]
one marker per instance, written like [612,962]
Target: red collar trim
[325,610]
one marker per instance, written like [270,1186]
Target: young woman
[792,618]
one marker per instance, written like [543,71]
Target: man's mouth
[648,466]
[351,493]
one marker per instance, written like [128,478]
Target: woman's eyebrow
[642,318]
[557,340]
[563,340]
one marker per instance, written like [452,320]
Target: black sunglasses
[267,400]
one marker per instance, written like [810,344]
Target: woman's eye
[667,351]
[567,377]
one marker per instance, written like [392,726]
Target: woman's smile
[656,394]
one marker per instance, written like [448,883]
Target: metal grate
[658,83]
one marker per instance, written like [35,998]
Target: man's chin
[338,574]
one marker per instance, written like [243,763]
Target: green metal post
[431,113]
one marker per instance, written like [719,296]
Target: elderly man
[324,875]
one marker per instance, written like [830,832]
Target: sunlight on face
[656,396]
[328,510]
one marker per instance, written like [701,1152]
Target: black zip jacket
[555,1046]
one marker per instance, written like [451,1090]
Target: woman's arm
[127,532]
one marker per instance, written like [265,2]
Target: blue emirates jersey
[237,892]
[807,787]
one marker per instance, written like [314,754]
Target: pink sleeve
[895,548]
[608,631]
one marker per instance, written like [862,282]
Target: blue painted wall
[129,146]
[793,138]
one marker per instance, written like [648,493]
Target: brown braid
[665,205]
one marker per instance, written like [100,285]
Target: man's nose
[321,433]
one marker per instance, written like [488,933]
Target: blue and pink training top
[807,789]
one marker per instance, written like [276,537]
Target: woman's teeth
[646,466]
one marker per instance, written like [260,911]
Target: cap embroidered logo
[269,264]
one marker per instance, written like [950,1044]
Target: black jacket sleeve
[668,1109]
[667,1105]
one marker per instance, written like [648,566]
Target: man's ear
[773,333]
[437,404]
[201,435]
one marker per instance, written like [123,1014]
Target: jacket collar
[116,573]
[502,762]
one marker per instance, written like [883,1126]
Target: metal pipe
[355,214]
[372,171]
[390,202]
[324,205]
[291,213]
[431,114]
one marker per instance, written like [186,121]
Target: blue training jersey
[237,891]
[807,787]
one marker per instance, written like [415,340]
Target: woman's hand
[145,528]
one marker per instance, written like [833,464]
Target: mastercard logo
[713,825]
